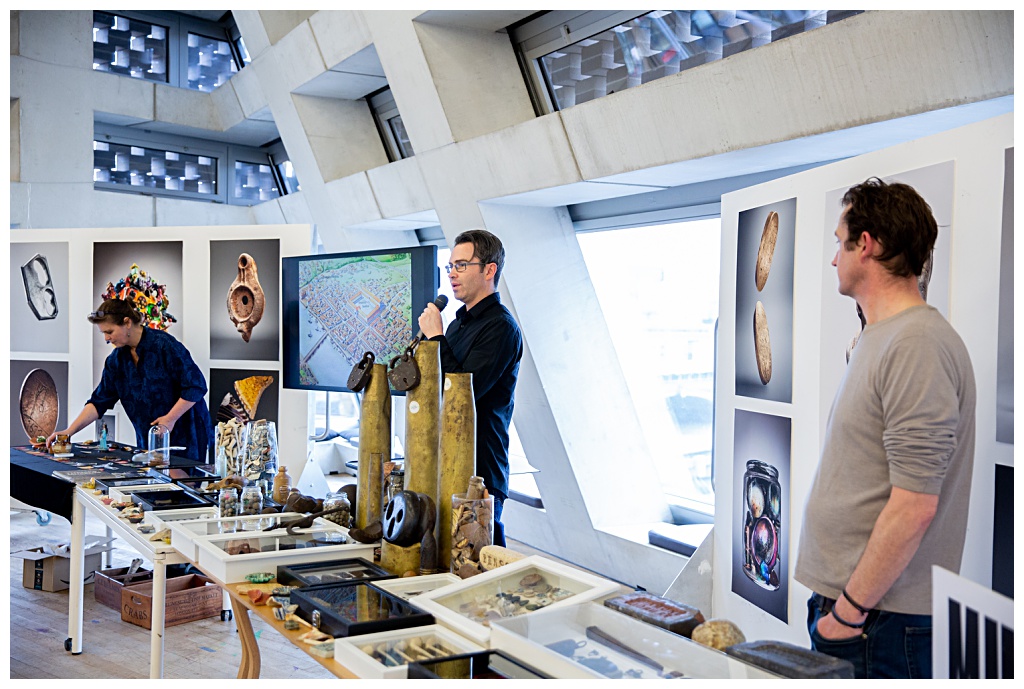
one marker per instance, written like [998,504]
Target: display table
[33,483]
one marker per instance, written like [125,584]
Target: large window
[168,47]
[389,124]
[572,56]
[658,289]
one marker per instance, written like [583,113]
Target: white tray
[528,637]
[185,532]
[569,586]
[270,550]
[349,650]
[161,519]
[410,587]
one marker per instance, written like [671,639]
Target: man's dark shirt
[164,374]
[486,342]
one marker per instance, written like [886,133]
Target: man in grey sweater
[890,496]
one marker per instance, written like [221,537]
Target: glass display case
[229,557]
[185,532]
[386,655]
[176,498]
[162,519]
[124,491]
[333,572]
[105,484]
[410,587]
[518,588]
[480,665]
[592,641]
[356,608]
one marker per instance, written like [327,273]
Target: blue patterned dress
[165,373]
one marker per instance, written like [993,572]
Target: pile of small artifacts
[404,651]
[148,297]
[532,593]
[229,442]
[594,654]
[472,528]
[260,453]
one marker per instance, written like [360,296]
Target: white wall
[824,321]
[191,308]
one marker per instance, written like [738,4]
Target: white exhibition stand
[158,553]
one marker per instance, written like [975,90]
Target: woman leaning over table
[154,377]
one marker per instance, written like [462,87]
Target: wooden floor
[206,649]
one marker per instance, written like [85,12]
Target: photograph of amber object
[42,299]
[39,404]
[245,297]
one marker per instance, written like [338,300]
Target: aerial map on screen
[349,306]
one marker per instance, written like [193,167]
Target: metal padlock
[359,377]
[404,373]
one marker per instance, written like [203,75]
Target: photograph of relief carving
[245,299]
[35,276]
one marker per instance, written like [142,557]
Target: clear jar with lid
[396,484]
[227,504]
[343,516]
[252,504]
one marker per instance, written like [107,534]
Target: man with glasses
[483,340]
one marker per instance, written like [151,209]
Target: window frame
[383,108]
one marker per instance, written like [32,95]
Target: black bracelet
[843,622]
[860,608]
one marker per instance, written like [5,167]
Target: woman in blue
[154,377]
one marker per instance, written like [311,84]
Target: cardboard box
[189,598]
[109,582]
[48,567]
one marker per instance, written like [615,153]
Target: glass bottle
[339,499]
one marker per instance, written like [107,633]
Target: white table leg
[108,557]
[156,634]
[77,584]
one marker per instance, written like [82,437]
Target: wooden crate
[189,598]
[109,582]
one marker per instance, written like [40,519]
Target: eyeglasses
[460,266]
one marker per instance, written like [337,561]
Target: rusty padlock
[359,377]
[404,372]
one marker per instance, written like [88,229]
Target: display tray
[173,499]
[185,532]
[105,484]
[519,588]
[81,476]
[333,572]
[182,468]
[410,587]
[590,641]
[162,519]
[356,608]
[124,492]
[386,655]
[231,557]
[481,665]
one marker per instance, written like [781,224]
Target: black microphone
[440,303]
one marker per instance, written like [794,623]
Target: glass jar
[252,500]
[396,484]
[762,524]
[227,503]
[340,500]
[159,445]
[259,450]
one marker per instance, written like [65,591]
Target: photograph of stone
[38,399]
[765,242]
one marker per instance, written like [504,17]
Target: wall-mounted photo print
[39,394]
[245,301]
[760,544]
[157,275]
[1004,355]
[39,297]
[765,242]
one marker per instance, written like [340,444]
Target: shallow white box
[557,642]
[185,532]
[410,587]
[348,651]
[124,493]
[229,557]
[461,606]
[162,518]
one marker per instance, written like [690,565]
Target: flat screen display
[339,306]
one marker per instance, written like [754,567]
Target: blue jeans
[891,645]
[499,528]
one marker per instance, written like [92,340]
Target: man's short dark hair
[898,218]
[486,247]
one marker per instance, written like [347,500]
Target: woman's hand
[167,421]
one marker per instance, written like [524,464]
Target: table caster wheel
[226,616]
[67,644]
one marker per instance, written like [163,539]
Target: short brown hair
[115,311]
[486,247]
[898,218]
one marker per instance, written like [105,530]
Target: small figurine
[103,438]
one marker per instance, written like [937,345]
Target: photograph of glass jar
[762,524]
